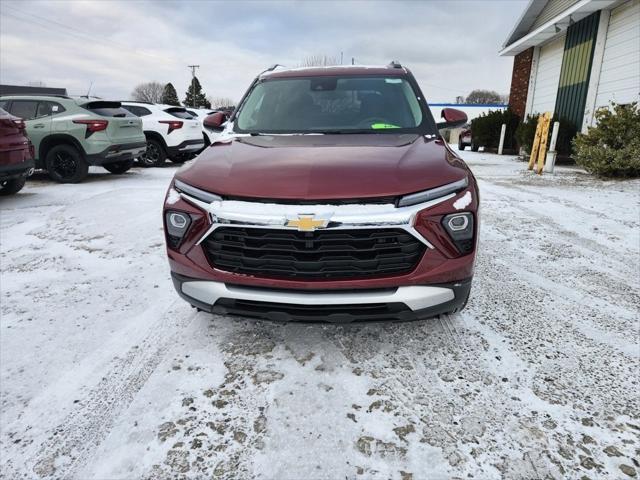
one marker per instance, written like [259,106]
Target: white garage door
[545,88]
[620,73]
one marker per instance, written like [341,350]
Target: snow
[106,373]
[463,202]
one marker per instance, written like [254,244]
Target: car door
[37,117]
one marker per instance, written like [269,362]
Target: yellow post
[536,144]
[542,153]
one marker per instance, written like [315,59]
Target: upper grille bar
[241,214]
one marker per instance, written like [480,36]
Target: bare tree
[318,61]
[221,102]
[148,92]
[483,96]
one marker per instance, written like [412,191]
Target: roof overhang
[555,26]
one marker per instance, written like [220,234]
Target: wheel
[207,141]
[14,185]
[65,164]
[474,147]
[154,156]
[119,167]
[461,146]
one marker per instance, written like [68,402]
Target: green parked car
[70,134]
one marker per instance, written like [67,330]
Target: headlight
[459,226]
[433,193]
[177,224]
[196,193]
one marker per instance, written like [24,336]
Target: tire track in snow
[602,251]
[568,203]
[73,441]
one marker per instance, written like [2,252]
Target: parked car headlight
[459,226]
[177,225]
[433,193]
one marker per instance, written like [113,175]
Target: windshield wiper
[315,132]
[343,132]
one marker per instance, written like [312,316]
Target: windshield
[107,109]
[181,113]
[331,104]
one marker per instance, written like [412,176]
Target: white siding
[552,9]
[548,76]
[620,73]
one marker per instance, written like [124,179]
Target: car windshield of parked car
[331,104]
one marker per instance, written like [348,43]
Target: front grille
[319,255]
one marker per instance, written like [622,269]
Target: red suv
[333,198]
[16,154]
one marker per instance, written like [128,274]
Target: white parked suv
[210,135]
[171,133]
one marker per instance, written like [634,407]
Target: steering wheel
[367,122]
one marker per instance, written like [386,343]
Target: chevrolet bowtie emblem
[306,223]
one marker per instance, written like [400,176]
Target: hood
[323,167]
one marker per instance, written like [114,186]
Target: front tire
[65,164]
[14,185]
[474,147]
[154,156]
[461,146]
[118,168]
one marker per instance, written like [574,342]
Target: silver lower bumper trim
[195,146]
[414,297]
[133,151]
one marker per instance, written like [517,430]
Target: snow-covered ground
[105,373]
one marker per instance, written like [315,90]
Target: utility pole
[193,86]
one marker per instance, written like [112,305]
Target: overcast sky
[451,46]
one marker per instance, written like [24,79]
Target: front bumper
[117,153]
[14,170]
[188,146]
[337,306]
[411,294]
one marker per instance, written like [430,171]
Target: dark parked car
[466,139]
[334,198]
[16,154]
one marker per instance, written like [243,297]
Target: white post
[532,82]
[550,161]
[502,135]
[596,70]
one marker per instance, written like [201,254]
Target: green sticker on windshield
[380,126]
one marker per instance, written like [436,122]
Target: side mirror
[215,121]
[452,118]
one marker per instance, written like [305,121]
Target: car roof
[140,104]
[346,70]
[35,97]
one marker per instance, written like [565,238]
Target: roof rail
[394,64]
[55,95]
[271,68]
